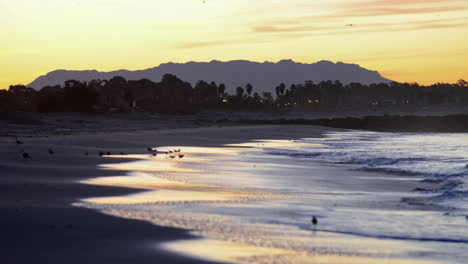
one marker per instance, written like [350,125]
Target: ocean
[378,197]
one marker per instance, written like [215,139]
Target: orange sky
[411,40]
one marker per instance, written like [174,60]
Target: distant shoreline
[24,124]
[386,123]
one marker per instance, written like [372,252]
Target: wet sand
[38,222]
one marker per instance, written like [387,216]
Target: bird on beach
[314,221]
[101,153]
[181,156]
[26,156]
[51,151]
[18,142]
[153,151]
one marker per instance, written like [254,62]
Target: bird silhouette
[26,156]
[181,156]
[51,151]
[101,153]
[18,142]
[314,220]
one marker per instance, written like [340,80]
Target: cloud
[375,16]
[387,11]
[375,3]
[299,27]
[289,28]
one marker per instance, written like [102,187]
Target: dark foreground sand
[38,223]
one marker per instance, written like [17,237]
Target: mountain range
[263,76]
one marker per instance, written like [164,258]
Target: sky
[422,41]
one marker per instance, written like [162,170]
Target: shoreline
[204,245]
[37,218]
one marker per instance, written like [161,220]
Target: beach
[38,222]
[76,208]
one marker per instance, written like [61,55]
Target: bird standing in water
[26,156]
[314,221]
[18,142]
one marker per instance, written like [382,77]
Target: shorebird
[101,153]
[314,221]
[26,156]
[181,156]
[18,142]
[51,151]
[109,153]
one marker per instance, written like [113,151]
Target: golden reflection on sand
[159,166]
[168,191]
[274,143]
[141,181]
[164,196]
[231,240]
[216,250]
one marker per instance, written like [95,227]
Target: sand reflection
[209,192]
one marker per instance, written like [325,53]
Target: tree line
[173,95]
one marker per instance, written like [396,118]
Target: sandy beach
[58,208]
[38,222]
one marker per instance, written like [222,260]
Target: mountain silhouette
[263,76]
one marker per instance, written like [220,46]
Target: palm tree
[280,90]
[221,90]
[249,89]
[239,92]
